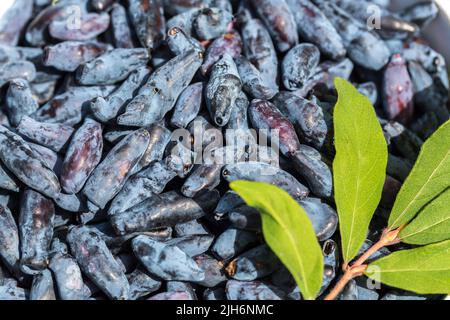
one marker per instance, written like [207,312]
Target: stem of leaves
[388,238]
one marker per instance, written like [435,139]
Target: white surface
[4,5]
[444,4]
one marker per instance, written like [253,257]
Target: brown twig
[388,238]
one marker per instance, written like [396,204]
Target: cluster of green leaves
[421,210]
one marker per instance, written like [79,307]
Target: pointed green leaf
[432,224]
[425,270]
[359,168]
[428,178]
[288,232]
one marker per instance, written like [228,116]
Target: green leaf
[359,168]
[432,224]
[288,232]
[428,178]
[425,270]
